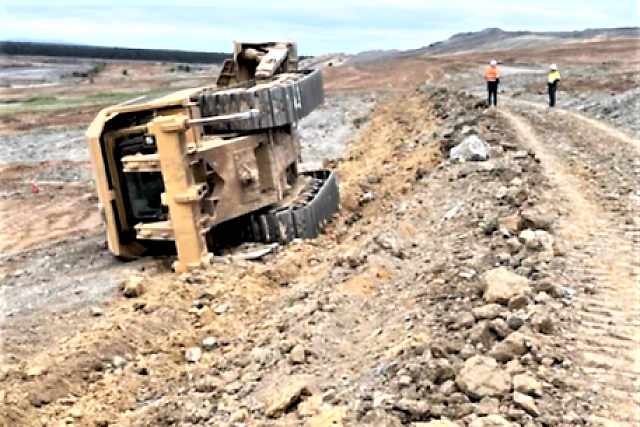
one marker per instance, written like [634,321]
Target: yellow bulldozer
[204,168]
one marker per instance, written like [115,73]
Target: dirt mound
[194,308]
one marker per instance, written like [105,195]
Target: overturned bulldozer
[212,166]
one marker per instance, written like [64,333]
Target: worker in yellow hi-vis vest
[553,78]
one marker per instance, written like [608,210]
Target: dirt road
[596,170]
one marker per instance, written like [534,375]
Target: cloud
[328,26]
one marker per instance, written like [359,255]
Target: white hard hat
[493,62]
[553,67]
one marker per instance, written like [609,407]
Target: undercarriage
[206,167]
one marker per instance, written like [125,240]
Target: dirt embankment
[441,292]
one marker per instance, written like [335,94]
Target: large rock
[482,376]
[491,421]
[471,148]
[512,346]
[500,285]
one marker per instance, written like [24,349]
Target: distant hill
[498,39]
[29,48]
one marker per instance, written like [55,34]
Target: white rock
[470,149]
[528,237]
[221,309]
[502,193]
[209,343]
[516,182]
[119,362]
[193,354]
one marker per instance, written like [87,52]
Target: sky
[329,26]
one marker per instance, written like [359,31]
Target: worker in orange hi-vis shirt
[492,76]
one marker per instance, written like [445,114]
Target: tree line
[113,53]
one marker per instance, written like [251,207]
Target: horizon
[63,42]
[348,26]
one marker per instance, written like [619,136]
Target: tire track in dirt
[593,123]
[606,258]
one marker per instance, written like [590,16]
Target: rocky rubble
[621,109]
[326,132]
[498,325]
[479,348]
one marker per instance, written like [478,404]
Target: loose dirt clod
[500,285]
[526,402]
[491,421]
[483,377]
[133,287]
[526,384]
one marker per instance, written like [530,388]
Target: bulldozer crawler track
[280,101]
[305,218]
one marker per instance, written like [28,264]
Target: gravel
[326,132]
[41,145]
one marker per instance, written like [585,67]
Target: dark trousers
[552,94]
[492,91]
